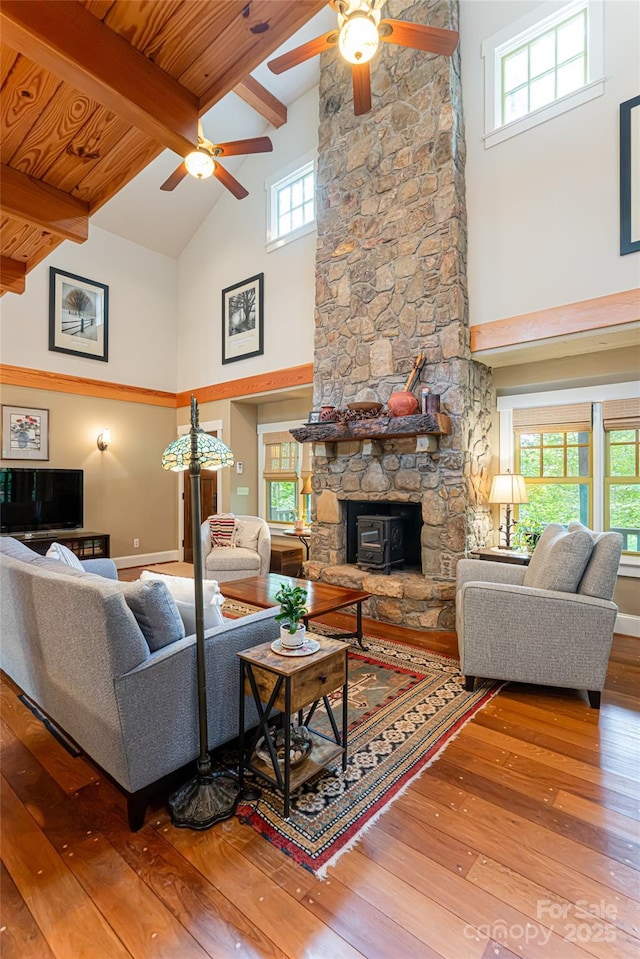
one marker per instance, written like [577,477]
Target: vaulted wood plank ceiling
[93,90]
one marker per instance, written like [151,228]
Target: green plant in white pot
[292,612]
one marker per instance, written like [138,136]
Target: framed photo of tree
[78,315]
[243,319]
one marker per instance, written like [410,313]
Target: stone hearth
[391,284]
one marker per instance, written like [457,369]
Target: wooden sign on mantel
[382,428]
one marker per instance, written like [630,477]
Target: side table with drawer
[287,685]
[496,554]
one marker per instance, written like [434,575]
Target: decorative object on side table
[508,489]
[292,613]
[301,745]
[208,797]
[78,315]
[25,433]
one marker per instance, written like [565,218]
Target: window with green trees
[557,470]
[622,486]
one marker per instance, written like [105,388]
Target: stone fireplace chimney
[391,284]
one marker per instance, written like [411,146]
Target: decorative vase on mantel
[402,403]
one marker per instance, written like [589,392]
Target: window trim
[521,31]
[271,184]
[629,565]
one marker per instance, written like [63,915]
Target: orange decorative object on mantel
[402,403]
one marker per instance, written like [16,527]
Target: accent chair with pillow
[549,623]
[235,547]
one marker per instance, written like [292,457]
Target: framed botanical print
[25,433]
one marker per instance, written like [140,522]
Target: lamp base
[204,800]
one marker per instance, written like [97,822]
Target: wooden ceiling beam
[67,39]
[44,206]
[12,274]
[262,101]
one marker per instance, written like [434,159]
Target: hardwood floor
[522,840]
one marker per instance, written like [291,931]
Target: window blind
[281,456]
[574,418]
[621,414]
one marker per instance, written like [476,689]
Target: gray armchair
[550,623]
[249,556]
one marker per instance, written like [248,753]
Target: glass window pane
[296,218]
[308,212]
[284,200]
[622,436]
[571,76]
[553,462]
[516,105]
[529,439]
[282,500]
[622,460]
[624,513]
[573,461]
[553,439]
[542,55]
[542,91]
[308,186]
[284,224]
[555,503]
[530,462]
[296,193]
[515,69]
[571,38]
[572,438]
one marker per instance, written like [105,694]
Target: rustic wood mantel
[381,428]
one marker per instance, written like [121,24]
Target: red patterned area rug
[405,706]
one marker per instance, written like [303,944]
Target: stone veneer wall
[390,284]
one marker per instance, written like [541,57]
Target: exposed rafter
[12,274]
[64,37]
[42,205]
[263,102]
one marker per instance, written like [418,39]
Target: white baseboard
[628,625]
[146,559]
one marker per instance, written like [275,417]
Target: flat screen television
[40,499]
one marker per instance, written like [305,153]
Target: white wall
[142,309]
[229,247]
[543,205]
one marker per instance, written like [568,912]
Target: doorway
[208,506]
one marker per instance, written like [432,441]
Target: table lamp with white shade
[207,797]
[508,489]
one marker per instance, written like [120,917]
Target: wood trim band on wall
[249,385]
[63,383]
[616,309]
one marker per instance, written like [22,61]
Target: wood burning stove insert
[382,535]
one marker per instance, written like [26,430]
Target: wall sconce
[103,440]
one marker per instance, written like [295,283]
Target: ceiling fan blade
[244,147]
[311,49]
[418,36]
[200,131]
[230,182]
[361,88]
[176,177]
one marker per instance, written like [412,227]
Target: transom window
[545,68]
[292,207]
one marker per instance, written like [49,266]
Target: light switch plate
[242,491]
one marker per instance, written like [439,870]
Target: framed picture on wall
[78,315]
[25,433]
[243,319]
[630,176]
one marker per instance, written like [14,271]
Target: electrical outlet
[136,543]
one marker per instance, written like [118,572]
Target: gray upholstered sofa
[71,642]
[550,623]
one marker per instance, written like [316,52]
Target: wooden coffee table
[322,598]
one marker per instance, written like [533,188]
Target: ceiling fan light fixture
[358,38]
[199,164]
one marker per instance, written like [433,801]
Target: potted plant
[292,611]
[526,535]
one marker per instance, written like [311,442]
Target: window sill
[589,92]
[629,566]
[290,237]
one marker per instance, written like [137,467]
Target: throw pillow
[155,611]
[600,576]
[64,555]
[247,533]
[181,588]
[559,559]
[222,527]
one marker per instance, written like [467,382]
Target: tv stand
[84,543]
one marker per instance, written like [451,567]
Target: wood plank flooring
[522,840]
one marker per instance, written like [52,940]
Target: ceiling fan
[358,36]
[203,162]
